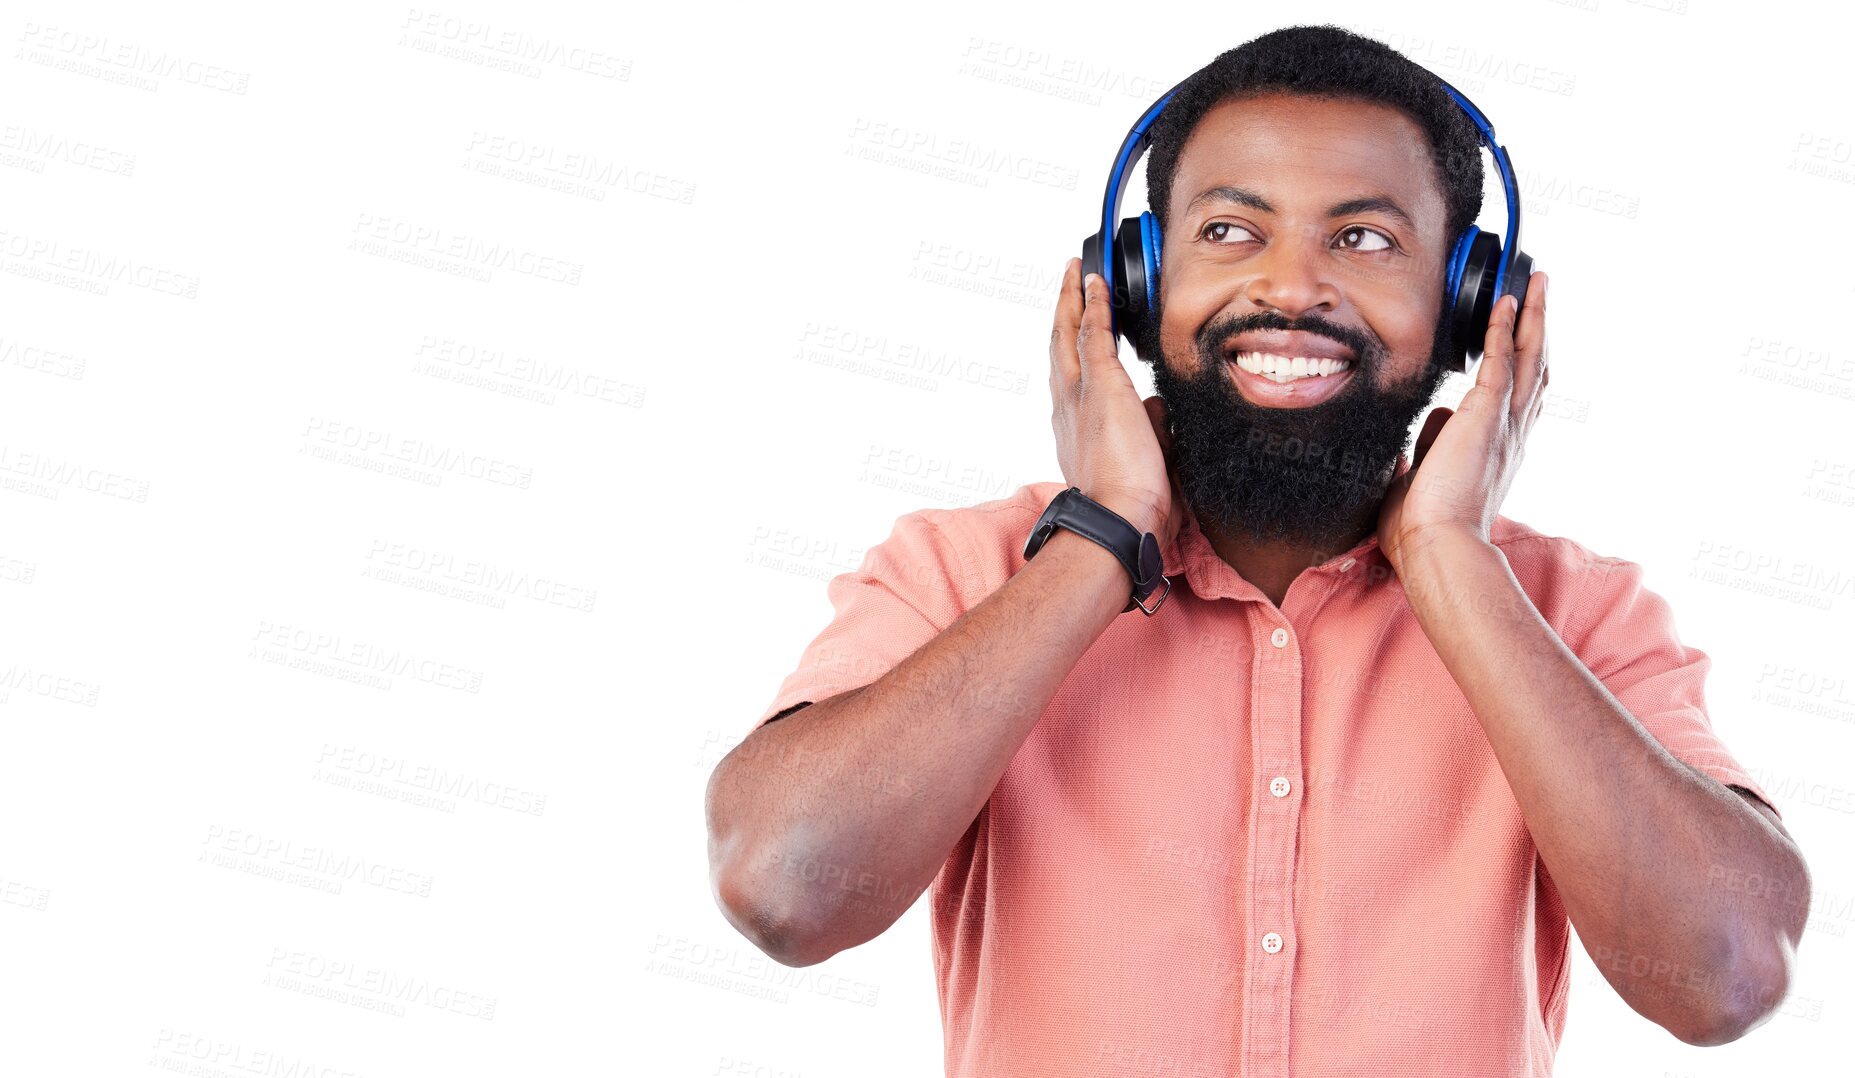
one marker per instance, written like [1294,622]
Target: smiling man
[1283,463]
[1334,806]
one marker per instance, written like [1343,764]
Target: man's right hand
[1114,446]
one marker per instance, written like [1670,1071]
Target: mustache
[1214,334]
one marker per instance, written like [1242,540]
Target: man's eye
[1362,231]
[1206,232]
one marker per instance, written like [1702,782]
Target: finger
[1095,344]
[1530,346]
[1497,351]
[1064,363]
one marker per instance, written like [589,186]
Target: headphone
[1480,267]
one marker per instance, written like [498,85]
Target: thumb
[1432,426]
[1162,425]
[1162,429]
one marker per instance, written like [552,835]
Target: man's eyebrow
[1242,196]
[1373,204]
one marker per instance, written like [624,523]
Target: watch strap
[1137,552]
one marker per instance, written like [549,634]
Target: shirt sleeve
[1627,639]
[909,588]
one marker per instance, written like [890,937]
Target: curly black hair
[1326,61]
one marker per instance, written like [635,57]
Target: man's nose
[1293,276]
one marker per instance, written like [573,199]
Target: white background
[306,518]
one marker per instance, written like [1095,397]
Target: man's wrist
[1435,551]
[1144,518]
[1105,573]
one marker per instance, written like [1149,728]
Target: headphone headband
[1140,137]
[1510,191]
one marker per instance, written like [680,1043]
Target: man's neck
[1273,565]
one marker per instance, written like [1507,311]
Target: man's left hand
[1466,458]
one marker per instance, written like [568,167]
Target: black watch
[1139,553]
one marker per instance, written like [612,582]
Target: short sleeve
[1625,634]
[909,588]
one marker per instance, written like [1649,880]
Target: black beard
[1312,475]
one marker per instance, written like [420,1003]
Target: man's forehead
[1296,149]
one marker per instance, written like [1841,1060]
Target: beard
[1313,475]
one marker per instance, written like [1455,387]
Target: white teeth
[1287,368]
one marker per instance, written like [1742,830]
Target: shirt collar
[1211,577]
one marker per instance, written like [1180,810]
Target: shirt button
[1279,786]
[1272,943]
[1279,638]
[1345,565]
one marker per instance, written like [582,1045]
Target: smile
[1278,381]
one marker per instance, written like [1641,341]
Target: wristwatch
[1139,553]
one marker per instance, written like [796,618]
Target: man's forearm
[826,825]
[1644,849]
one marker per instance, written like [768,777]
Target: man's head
[1308,185]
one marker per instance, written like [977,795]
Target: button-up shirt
[1250,840]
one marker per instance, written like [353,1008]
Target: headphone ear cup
[1518,275]
[1149,245]
[1132,286]
[1091,254]
[1458,254]
[1478,256]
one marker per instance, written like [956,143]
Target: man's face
[1262,265]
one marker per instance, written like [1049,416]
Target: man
[1335,806]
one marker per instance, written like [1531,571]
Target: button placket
[1275,821]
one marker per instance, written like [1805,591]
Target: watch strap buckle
[1149,611]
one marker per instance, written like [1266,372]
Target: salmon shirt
[1244,840]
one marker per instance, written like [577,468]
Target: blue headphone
[1481,267]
